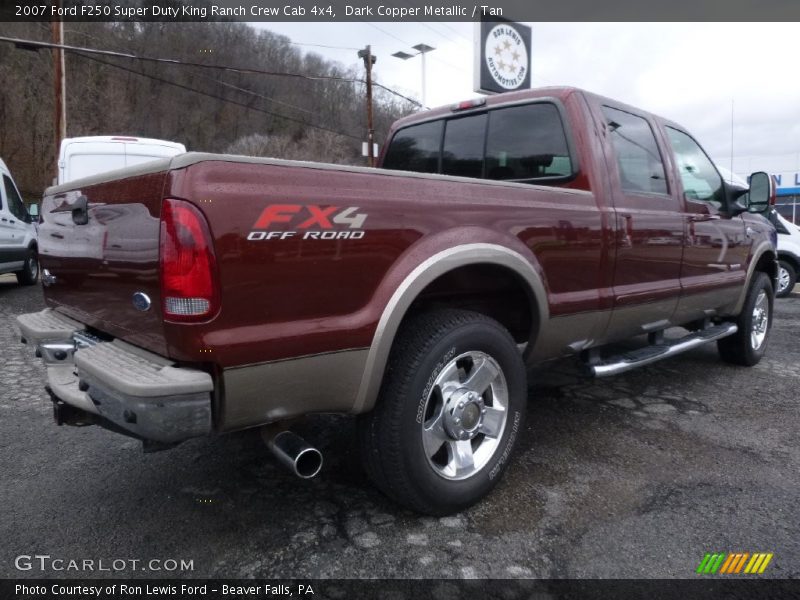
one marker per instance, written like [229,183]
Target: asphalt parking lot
[635,476]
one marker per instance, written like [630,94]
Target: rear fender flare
[414,283]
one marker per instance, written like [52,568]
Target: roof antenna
[731,181]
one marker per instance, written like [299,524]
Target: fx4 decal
[309,222]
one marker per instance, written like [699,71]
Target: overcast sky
[688,72]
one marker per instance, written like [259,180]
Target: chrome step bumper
[140,392]
[650,354]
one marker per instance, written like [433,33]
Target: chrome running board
[649,354]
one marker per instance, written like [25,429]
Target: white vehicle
[788,243]
[18,246]
[86,156]
[788,256]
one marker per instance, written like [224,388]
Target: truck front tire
[452,405]
[748,344]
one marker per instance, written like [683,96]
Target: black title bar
[398,10]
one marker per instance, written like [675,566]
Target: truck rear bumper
[137,391]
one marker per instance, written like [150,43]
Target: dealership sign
[787,183]
[502,57]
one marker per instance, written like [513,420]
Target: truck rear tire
[787,278]
[451,407]
[747,346]
[29,274]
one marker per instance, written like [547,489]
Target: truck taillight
[189,290]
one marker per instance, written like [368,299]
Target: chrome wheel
[465,415]
[760,321]
[783,279]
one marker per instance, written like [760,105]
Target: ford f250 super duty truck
[206,294]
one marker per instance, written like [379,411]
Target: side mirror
[33,211]
[762,193]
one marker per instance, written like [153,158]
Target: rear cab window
[525,143]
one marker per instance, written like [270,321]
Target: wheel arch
[792,259]
[437,268]
[765,260]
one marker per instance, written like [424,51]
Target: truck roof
[557,92]
[131,139]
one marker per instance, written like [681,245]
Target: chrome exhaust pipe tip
[294,452]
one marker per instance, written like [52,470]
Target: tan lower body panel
[269,392]
[569,334]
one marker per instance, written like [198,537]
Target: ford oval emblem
[141,301]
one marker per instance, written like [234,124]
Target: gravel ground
[635,476]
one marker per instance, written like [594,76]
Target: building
[785,169]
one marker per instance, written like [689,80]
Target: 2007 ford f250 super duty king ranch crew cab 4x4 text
[206,294]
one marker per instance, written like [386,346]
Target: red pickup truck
[206,294]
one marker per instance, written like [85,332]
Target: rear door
[717,247]
[650,227]
[13,226]
[138,153]
[84,159]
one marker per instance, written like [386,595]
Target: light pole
[422,49]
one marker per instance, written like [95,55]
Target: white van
[788,255]
[85,156]
[18,247]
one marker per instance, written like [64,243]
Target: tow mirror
[762,192]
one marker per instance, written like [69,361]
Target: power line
[324,46]
[405,43]
[32,44]
[217,97]
[458,33]
[441,33]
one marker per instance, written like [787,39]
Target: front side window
[641,169]
[415,148]
[699,176]
[15,205]
[527,142]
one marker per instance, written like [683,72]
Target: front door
[717,246]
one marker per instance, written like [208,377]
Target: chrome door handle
[699,218]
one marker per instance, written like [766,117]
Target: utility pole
[369,60]
[59,85]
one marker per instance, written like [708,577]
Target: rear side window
[462,153]
[524,143]
[415,148]
[87,165]
[527,142]
[638,159]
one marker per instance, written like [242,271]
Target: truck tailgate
[100,256]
